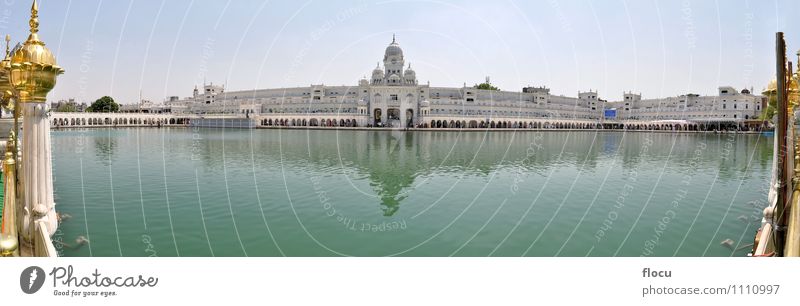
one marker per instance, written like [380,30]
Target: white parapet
[43,245]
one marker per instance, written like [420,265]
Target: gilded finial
[8,41]
[34,22]
[11,144]
[33,66]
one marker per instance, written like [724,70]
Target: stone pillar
[370,116]
[36,170]
[403,116]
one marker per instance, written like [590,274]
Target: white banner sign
[400,281]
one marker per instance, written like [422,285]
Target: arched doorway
[393,116]
[377,114]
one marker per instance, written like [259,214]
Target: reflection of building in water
[395,166]
[392,168]
[392,96]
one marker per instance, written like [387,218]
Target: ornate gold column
[9,240]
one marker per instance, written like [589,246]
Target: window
[393,97]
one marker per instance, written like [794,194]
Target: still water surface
[212,192]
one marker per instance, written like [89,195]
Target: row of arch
[458,124]
[319,122]
[108,121]
[480,124]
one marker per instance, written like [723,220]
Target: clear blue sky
[163,48]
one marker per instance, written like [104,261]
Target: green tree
[486,86]
[105,104]
[772,106]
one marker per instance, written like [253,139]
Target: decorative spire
[393,41]
[8,41]
[34,22]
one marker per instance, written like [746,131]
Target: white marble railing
[42,244]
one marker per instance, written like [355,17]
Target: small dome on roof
[377,72]
[409,71]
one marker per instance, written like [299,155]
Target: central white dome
[394,49]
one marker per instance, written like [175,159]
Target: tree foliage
[486,86]
[105,104]
[772,106]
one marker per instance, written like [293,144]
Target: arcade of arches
[167,120]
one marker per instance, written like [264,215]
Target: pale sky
[165,48]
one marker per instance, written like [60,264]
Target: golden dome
[792,92]
[33,66]
[34,51]
[772,88]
